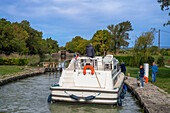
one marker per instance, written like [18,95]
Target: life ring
[146,79]
[88,66]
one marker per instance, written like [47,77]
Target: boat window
[114,66]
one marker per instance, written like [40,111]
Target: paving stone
[151,97]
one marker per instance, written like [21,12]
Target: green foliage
[23,39]
[151,59]
[154,50]
[124,58]
[143,42]
[139,59]
[120,34]
[52,45]
[14,61]
[77,44]
[165,52]
[141,53]
[33,60]
[101,41]
[134,61]
[161,61]
[81,48]
[6,36]
[62,48]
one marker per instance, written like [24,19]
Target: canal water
[30,96]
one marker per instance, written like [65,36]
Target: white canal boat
[90,80]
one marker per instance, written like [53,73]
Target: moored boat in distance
[90,80]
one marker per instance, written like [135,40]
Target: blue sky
[64,19]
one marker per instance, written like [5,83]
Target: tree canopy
[120,34]
[22,38]
[101,41]
[144,41]
[77,44]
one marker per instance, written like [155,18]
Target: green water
[30,96]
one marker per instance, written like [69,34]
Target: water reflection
[129,106]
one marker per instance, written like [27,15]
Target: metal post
[159,40]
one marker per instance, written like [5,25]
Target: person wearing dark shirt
[90,51]
[142,72]
[123,67]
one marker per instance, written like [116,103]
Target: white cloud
[86,16]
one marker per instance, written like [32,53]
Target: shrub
[161,61]
[140,59]
[124,58]
[14,61]
[33,60]
[150,60]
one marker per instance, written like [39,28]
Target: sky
[62,20]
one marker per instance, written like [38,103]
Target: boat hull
[101,96]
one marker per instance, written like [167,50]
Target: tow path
[152,98]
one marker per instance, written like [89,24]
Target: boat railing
[81,63]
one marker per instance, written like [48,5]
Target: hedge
[130,60]
[14,61]
[124,58]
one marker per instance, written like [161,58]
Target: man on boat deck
[123,67]
[90,50]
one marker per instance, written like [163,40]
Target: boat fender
[89,98]
[49,98]
[119,101]
[122,95]
[55,85]
[88,66]
[125,87]
[74,97]
[146,79]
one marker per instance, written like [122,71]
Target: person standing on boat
[141,75]
[154,72]
[123,67]
[90,51]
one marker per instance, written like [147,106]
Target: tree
[144,41]
[120,35]
[165,6]
[81,48]
[72,46]
[101,41]
[20,36]
[34,41]
[141,50]
[6,36]
[52,45]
